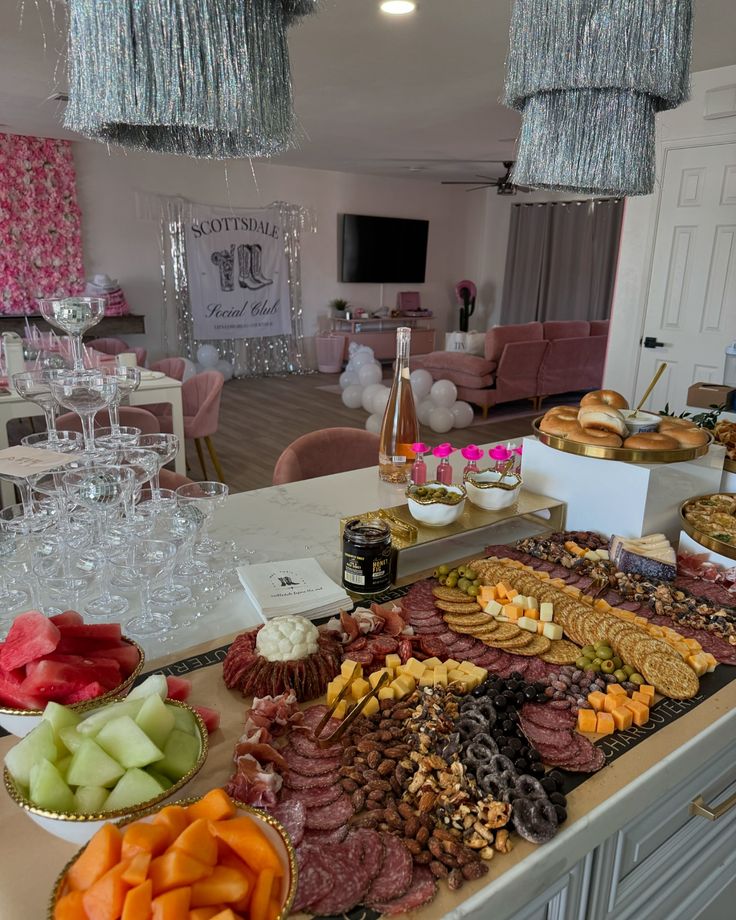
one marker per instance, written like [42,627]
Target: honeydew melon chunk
[48,789]
[156,719]
[39,744]
[91,799]
[184,720]
[60,717]
[70,738]
[156,683]
[91,766]
[128,743]
[63,765]
[162,780]
[181,752]
[100,717]
[134,787]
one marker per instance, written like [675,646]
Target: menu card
[293,587]
[22,462]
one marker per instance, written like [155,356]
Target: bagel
[604,418]
[669,423]
[563,411]
[607,397]
[594,436]
[558,425]
[688,437]
[651,440]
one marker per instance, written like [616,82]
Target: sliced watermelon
[105,670]
[55,680]
[30,637]
[210,717]
[90,692]
[101,632]
[14,697]
[179,688]
[126,655]
[68,618]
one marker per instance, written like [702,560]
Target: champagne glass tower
[73,315]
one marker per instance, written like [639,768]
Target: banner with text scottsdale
[238,273]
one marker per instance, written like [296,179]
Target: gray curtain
[561,260]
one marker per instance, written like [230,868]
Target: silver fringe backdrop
[588,77]
[258,357]
[202,78]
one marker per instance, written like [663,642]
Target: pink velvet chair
[170,480]
[129,416]
[172,367]
[115,346]
[200,396]
[321,453]
[574,358]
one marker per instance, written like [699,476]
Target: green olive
[618,662]
[472,590]
[588,651]
[582,663]
[605,654]
[463,584]
[620,674]
[594,665]
[444,570]
[629,670]
[461,570]
[607,666]
[442,579]
[636,679]
[451,580]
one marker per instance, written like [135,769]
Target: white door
[691,307]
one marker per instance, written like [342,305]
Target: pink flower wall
[40,239]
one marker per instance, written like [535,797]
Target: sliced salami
[633,606]
[350,882]
[434,646]
[374,851]
[546,739]
[421,891]
[434,629]
[362,656]
[293,815]
[327,837]
[613,598]
[305,745]
[465,644]
[297,781]
[315,875]
[329,817]
[313,714]
[383,645]
[310,766]
[314,797]
[395,877]
[554,719]
[537,670]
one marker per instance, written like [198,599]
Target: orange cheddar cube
[647,689]
[625,615]
[639,710]
[503,591]
[622,718]
[543,575]
[656,632]
[641,697]
[587,720]
[641,621]
[531,614]
[602,605]
[604,723]
[699,663]
[611,701]
[487,593]
[512,612]
[693,644]
[616,688]
[573,591]
[557,582]
[540,627]
[596,700]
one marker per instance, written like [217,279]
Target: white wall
[125,244]
[639,226]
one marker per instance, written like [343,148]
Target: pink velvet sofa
[524,361]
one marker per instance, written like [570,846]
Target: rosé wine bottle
[399,429]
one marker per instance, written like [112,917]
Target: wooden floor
[259,417]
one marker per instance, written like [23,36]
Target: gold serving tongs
[351,716]
[652,385]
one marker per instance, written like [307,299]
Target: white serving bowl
[488,490]
[79,828]
[435,511]
[19,722]
[642,421]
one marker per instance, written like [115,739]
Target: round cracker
[538,646]
[443,593]
[453,607]
[670,676]
[561,651]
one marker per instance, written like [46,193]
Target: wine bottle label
[398,459]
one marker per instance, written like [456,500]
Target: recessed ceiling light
[398,7]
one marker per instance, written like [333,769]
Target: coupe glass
[128,379]
[147,560]
[122,436]
[178,528]
[35,386]
[63,441]
[73,315]
[10,549]
[84,393]
[63,582]
[207,497]
[166,446]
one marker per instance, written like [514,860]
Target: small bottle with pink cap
[500,456]
[419,467]
[472,453]
[444,470]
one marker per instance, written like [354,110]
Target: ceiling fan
[502,184]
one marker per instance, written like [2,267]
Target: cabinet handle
[698,807]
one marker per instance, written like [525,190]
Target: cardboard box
[705,395]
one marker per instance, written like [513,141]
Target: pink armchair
[329,450]
[574,357]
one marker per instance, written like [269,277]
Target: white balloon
[368,394]
[347,378]
[369,374]
[373,423]
[380,400]
[225,368]
[443,393]
[208,356]
[424,411]
[363,356]
[190,369]
[462,412]
[421,383]
[440,420]
[352,396]
[352,348]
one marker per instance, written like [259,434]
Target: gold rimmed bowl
[435,504]
[712,538]
[274,831]
[78,827]
[19,722]
[490,490]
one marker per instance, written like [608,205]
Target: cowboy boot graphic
[255,271]
[249,261]
[224,259]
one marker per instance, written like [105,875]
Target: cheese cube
[641,621]
[648,690]
[592,555]
[376,676]
[604,723]
[350,669]
[572,547]
[622,718]
[414,667]
[456,674]
[512,611]
[431,663]
[712,663]
[393,661]
[440,677]
[641,697]
[464,686]
[387,693]
[532,603]
[625,615]
[427,679]
[656,632]
[546,612]
[503,591]
[543,576]
[612,701]
[466,667]
[404,684]
[603,553]
[359,688]
[587,599]
[371,707]
[557,582]
[451,663]
[693,645]
[502,619]
[573,591]
[540,627]
[552,631]
[519,601]
[597,699]
[586,720]
[526,623]
[333,690]
[341,710]
[616,688]
[602,605]
[493,608]
[532,614]
[486,593]
[639,711]
[699,663]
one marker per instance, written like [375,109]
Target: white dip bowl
[432,509]
[488,490]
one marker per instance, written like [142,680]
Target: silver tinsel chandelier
[202,78]
[588,77]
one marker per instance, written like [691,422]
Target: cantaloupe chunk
[173,905]
[104,900]
[198,841]
[226,914]
[249,842]
[138,901]
[224,886]
[136,871]
[214,806]
[174,818]
[174,869]
[205,913]
[97,858]
[604,723]
[261,895]
[70,907]
[140,837]
[622,717]
[648,690]
[232,861]
[639,711]
[586,720]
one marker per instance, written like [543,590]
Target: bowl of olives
[435,504]
[491,490]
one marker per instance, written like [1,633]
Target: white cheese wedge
[494,608]
[527,623]
[552,631]
[546,612]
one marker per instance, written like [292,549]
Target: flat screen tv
[382,249]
